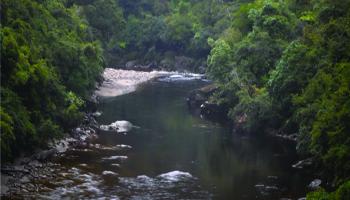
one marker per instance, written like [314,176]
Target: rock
[109,173]
[131,64]
[91,103]
[201,69]
[167,64]
[35,163]
[315,184]
[198,102]
[292,137]
[182,63]
[44,155]
[24,179]
[118,126]
[272,177]
[96,114]
[213,110]
[266,190]
[303,163]
[197,97]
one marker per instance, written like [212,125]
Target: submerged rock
[120,158]
[315,184]
[109,173]
[303,163]
[200,104]
[266,190]
[118,126]
[175,176]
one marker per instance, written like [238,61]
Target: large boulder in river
[197,97]
[199,103]
[118,126]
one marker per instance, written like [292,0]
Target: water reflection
[174,155]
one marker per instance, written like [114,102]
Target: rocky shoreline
[27,175]
[24,176]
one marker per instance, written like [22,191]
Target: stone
[315,184]
[25,179]
[130,64]
[303,163]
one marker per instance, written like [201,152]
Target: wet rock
[91,103]
[120,158]
[130,65]
[199,104]
[118,126]
[175,176]
[213,110]
[109,173]
[292,137]
[124,146]
[266,190]
[24,160]
[96,114]
[315,184]
[4,184]
[272,177]
[35,163]
[115,165]
[12,170]
[303,163]
[201,69]
[197,97]
[44,155]
[25,179]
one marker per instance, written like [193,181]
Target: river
[172,154]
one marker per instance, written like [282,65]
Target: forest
[281,67]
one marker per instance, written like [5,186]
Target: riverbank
[28,175]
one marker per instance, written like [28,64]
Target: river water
[171,154]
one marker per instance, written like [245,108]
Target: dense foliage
[49,64]
[157,31]
[285,69]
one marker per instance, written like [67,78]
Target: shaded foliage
[285,67]
[47,60]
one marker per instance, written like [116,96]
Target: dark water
[176,155]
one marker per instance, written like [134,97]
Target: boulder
[91,103]
[201,69]
[44,155]
[197,97]
[198,102]
[303,163]
[130,65]
[315,184]
[182,63]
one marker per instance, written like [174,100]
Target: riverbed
[166,152]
